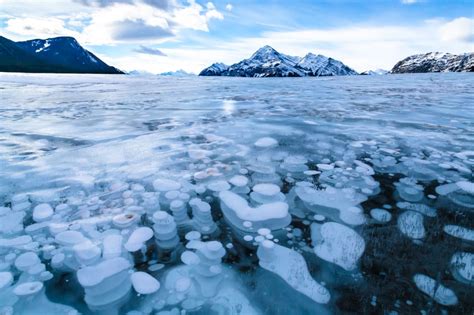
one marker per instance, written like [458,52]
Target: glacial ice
[356,200]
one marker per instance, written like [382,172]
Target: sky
[167,35]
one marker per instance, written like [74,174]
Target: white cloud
[107,22]
[461,29]
[409,1]
[39,27]
[229,7]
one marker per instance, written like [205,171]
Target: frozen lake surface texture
[148,195]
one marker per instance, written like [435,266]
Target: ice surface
[368,180]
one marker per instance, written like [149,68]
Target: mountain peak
[265,51]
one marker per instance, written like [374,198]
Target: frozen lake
[277,196]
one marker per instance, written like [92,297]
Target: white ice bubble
[42,212]
[138,238]
[337,244]
[435,290]
[266,142]
[381,215]
[143,283]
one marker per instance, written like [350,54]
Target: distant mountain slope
[267,62]
[319,65]
[435,62]
[216,69]
[13,58]
[375,72]
[53,55]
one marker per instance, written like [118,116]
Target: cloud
[410,1]
[460,29]
[229,7]
[162,4]
[39,27]
[139,30]
[110,22]
[149,51]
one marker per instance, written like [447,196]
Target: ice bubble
[319,217]
[28,288]
[202,216]
[418,207]
[264,231]
[219,185]
[239,180]
[164,185]
[69,238]
[143,283]
[462,266]
[325,167]
[266,142]
[192,235]
[183,284]
[42,212]
[236,209]
[6,279]
[112,245]
[266,193]
[330,199]
[125,220]
[292,268]
[189,258]
[166,234]
[410,223]
[138,238]
[337,244]
[106,284]
[26,261]
[466,186]
[87,252]
[381,215]
[248,238]
[460,232]
[180,212]
[460,193]
[435,290]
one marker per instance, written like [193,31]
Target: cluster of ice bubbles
[178,241]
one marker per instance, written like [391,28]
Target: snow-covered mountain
[375,72]
[267,62]
[216,69]
[177,73]
[319,65]
[59,54]
[435,62]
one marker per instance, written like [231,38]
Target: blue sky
[165,35]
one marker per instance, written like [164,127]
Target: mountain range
[66,55]
[267,62]
[52,55]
